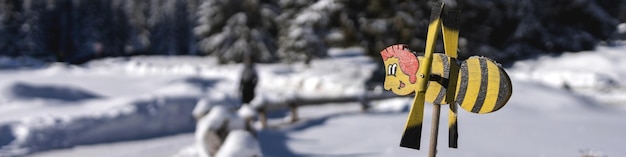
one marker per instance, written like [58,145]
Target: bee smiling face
[395,80]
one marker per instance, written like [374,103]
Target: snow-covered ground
[567,105]
[600,75]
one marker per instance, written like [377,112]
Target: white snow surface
[143,106]
[202,108]
[600,74]
[239,143]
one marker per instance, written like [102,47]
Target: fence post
[365,104]
[294,111]
[263,117]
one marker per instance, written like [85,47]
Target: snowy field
[568,105]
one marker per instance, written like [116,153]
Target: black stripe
[446,66]
[504,90]
[443,82]
[452,82]
[452,19]
[463,85]
[435,12]
[484,77]
[412,137]
[453,136]
[453,130]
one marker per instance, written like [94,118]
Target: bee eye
[393,69]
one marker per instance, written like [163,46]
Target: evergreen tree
[302,33]
[136,12]
[229,29]
[77,31]
[10,22]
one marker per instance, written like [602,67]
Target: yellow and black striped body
[483,86]
[439,79]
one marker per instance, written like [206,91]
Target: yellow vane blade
[451,25]
[413,128]
[412,135]
[453,129]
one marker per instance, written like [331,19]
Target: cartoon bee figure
[481,86]
[477,85]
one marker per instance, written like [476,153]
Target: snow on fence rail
[221,131]
[265,103]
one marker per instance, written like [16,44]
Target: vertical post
[294,112]
[434,130]
[263,117]
[363,99]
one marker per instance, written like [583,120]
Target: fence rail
[294,103]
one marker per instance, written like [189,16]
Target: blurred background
[76,31]
[161,77]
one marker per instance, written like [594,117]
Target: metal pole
[432,152]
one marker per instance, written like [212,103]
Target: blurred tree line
[76,31]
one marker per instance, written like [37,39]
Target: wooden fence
[294,103]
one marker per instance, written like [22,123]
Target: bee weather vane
[477,85]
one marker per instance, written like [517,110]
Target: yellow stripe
[450,41]
[416,114]
[451,23]
[458,86]
[473,84]
[453,127]
[452,115]
[493,88]
[433,87]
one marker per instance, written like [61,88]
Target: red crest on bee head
[406,59]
